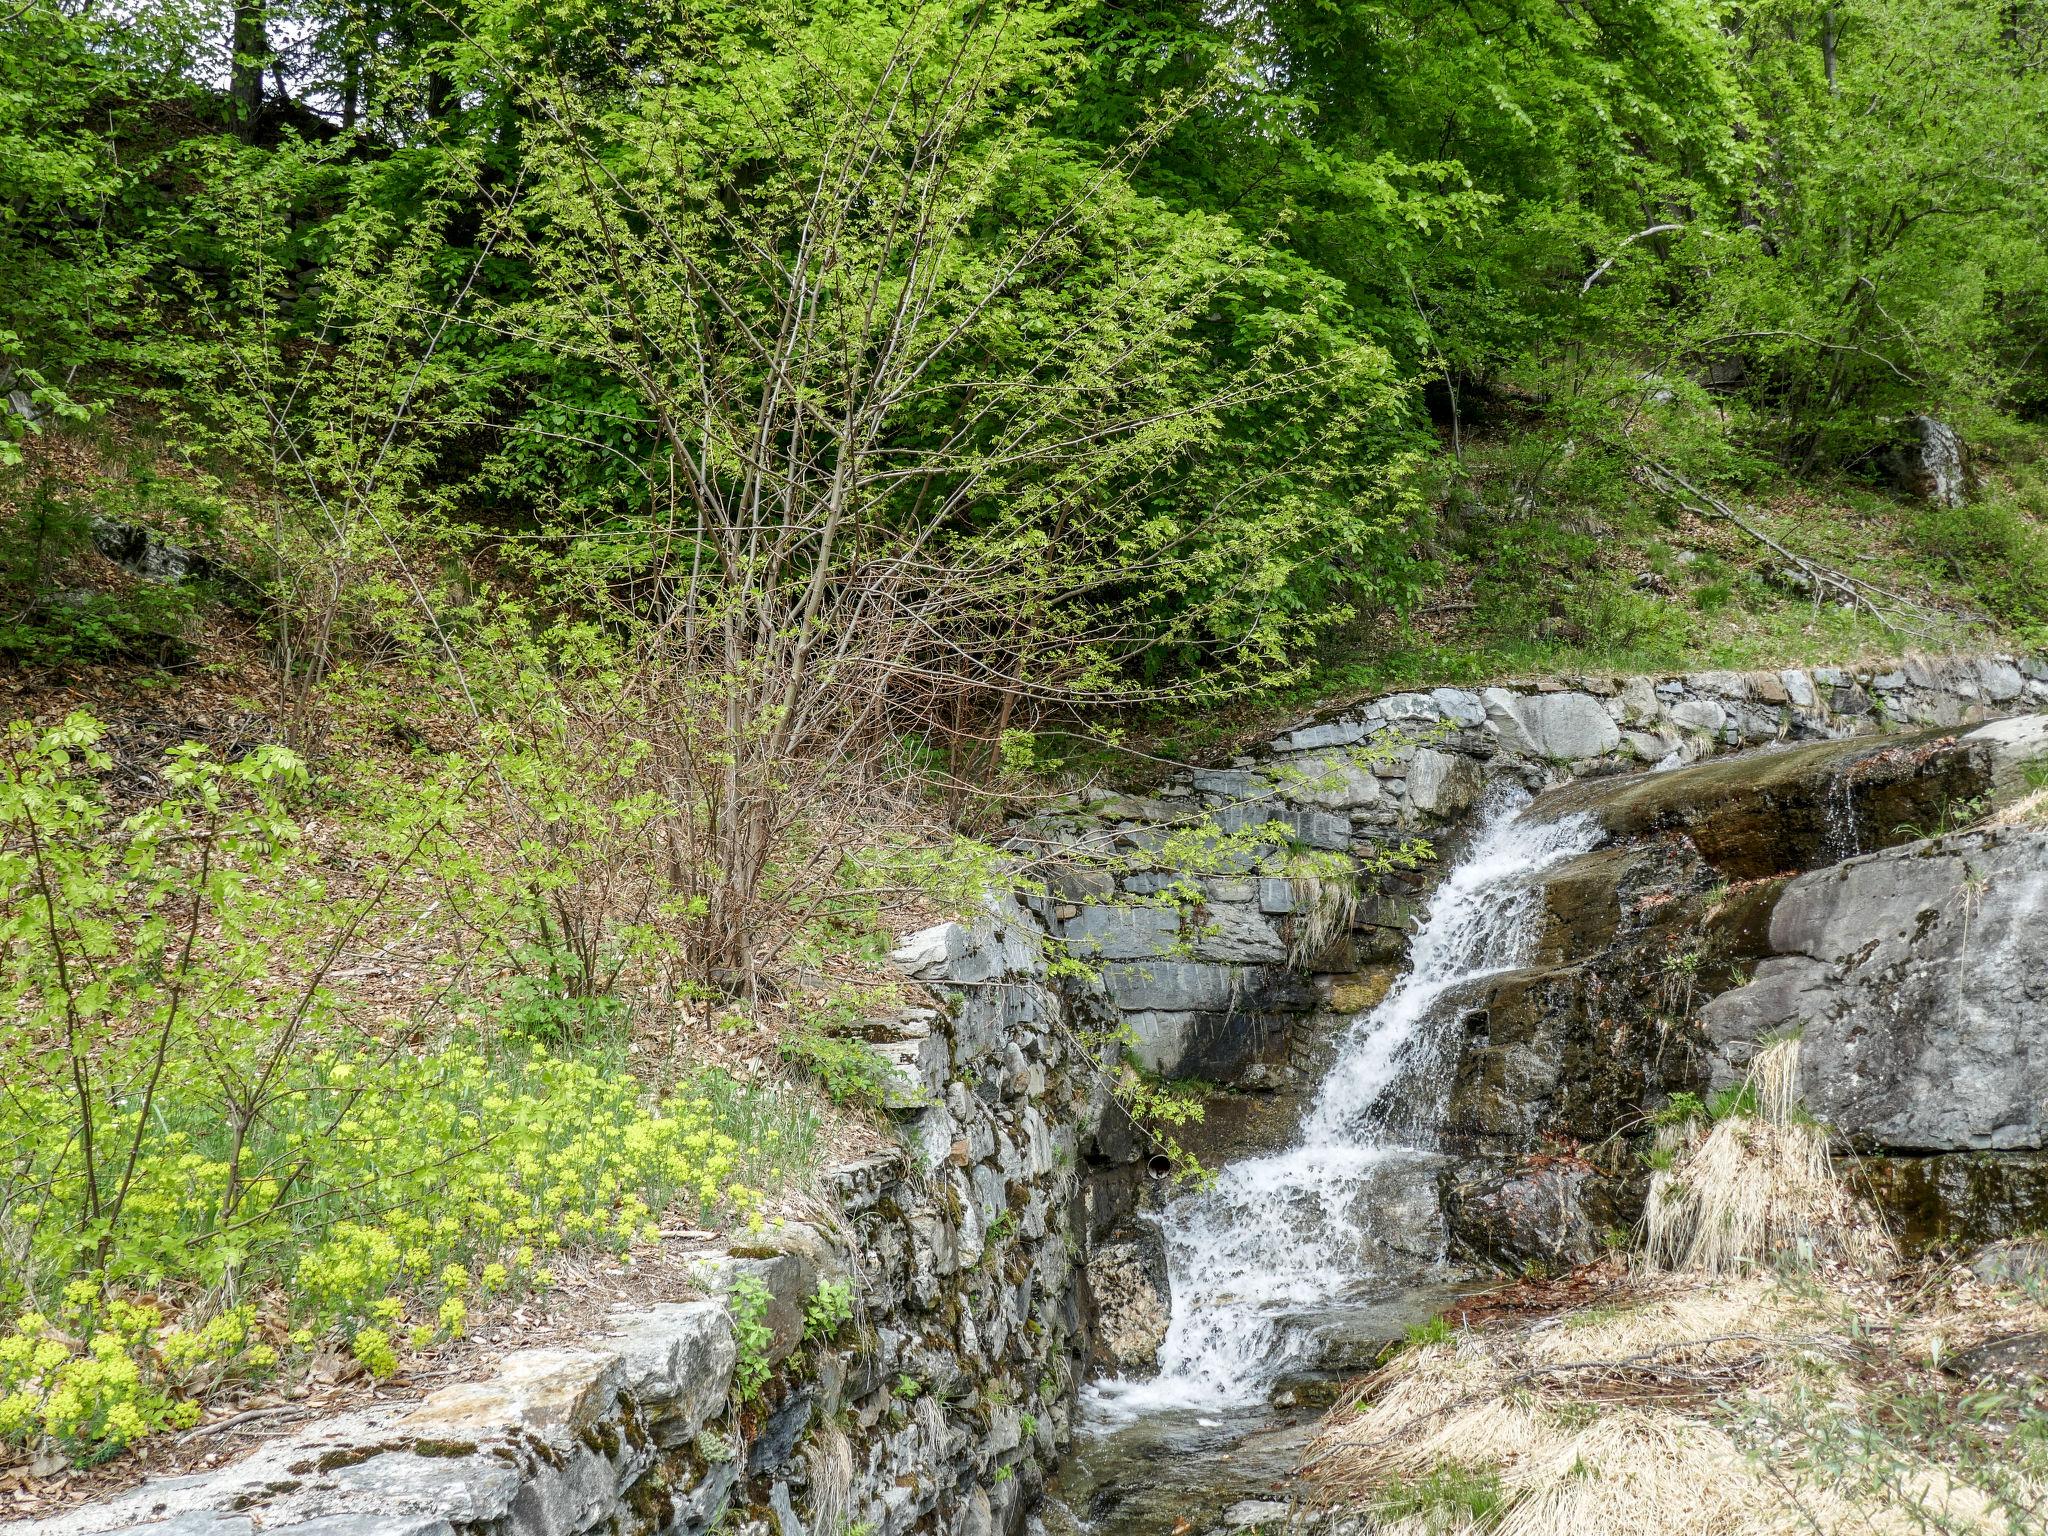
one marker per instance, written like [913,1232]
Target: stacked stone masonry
[936,1409]
[1210,986]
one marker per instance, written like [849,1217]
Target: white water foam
[1317,1224]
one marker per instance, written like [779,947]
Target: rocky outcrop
[1202,948]
[1917,979]
[1739,900]
[1931,462]
[936,1408]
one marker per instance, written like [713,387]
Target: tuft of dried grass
[1573,1418]
[1758,1188]
[2029,812]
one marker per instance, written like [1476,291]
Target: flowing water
[1278,1244]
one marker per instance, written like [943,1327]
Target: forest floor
[1617,578]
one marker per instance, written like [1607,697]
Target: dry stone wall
[1210,970]
[935,1409]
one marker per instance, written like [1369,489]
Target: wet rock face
[1595,1033]
[1764,813]
[1960,1198]
[1918,976]
[1545,1217]
[1127,1281]
[1918,981]
[1206,964]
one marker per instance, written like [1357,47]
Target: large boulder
[1918,981]
[1562,727]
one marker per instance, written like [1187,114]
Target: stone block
[1237,934]
[1171,984]
[2001,680]
[1444,783]
[1703,715]
[1335,733]
[1558,727]
[1121,933]
[1798,688]
[677,1359]
[550,1392]
[1334,780]
[1460,707]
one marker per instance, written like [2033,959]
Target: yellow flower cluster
[117,1383]
[384,1186]
[506,1166]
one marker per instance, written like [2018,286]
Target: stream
[1307,1260]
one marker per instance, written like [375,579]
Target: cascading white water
[1275,1235]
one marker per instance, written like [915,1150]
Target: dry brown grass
[1647,1414]
[1767,1372]
[2029,812]
[1757,1188]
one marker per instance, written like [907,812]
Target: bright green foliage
[1449,1498]
[177,1120]
[747,1302]
[1437,1330]
[373,1351]
[850,1070]
[829,1309]
[121,1382]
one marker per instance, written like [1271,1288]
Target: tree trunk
[251,55]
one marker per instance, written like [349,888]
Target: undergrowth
[217,1156]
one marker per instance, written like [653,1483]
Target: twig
[1643,234]
[246,1416]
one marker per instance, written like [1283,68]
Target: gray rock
[1338,733]
[1127,1283]
[1460,707]
[1638,701]
[1231,783]
[1931,463]
[1559,727]
[1698,715]
[144,552]
[776,1442]
[2015,1261]
[1335,780]
[1444,783]
[1160,1039]
[1239,935]
[2017,749]
[1122,933]
[1254,1514]
[1918,978]
[1276,894]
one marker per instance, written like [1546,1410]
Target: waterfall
[1317,1224]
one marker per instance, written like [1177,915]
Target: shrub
[829,1309]
[850,1071]
[193,1108]
[1997,550]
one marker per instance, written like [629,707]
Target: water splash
[1318,1224]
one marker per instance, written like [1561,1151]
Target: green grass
[1449,1497]
[1606,577]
